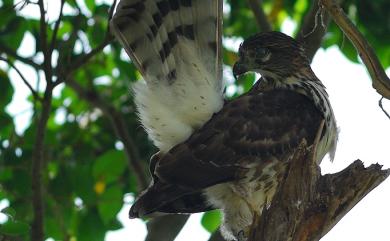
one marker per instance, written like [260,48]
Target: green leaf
[14,228]
[5,174]
[211,220]
[13,32]
[109,204]
[6,89]
[10,212]
[349,51]
[109,166]
[91,227]
[90,5]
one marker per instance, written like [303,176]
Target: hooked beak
[238,69]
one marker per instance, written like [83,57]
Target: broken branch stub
[307,205]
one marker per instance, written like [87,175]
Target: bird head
[272,54]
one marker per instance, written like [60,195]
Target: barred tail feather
[175,44]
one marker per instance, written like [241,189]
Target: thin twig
[84,59]
[8,51]
[261,17]
[313,29]
[44,45]
[33,92]
[56,27]
[380,81]
[383,109]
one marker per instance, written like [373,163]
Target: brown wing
[256,127]
[253,128]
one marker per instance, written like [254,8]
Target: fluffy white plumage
[171,112]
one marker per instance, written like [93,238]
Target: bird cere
[216,153]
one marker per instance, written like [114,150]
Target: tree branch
[260,16]
[307,205]
[313,29]
[118,123]
[33,92]
[37,233]
[84,59]
[37,160]
[56,27]
[13,54]
[43,40]
[380,81]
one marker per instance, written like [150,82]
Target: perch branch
[307,205]
[380,81]
[260,16]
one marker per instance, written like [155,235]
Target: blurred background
[73,153]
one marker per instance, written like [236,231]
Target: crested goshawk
[216,153]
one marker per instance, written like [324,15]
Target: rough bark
[307,205]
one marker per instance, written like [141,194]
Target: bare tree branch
[313,29]
[56,27]
[380,81]
[118,122]
[43,40]
[13,54]
[307,205]
[261,17]
[33,92]
[37,164]
[37,233]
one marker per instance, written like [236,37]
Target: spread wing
[176,45]
[152,30]
[254,129]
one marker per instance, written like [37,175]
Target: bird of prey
[216,153]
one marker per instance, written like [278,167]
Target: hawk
[216,153]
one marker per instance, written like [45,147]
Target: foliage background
[94,150]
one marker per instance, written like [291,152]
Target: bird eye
[261,53]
